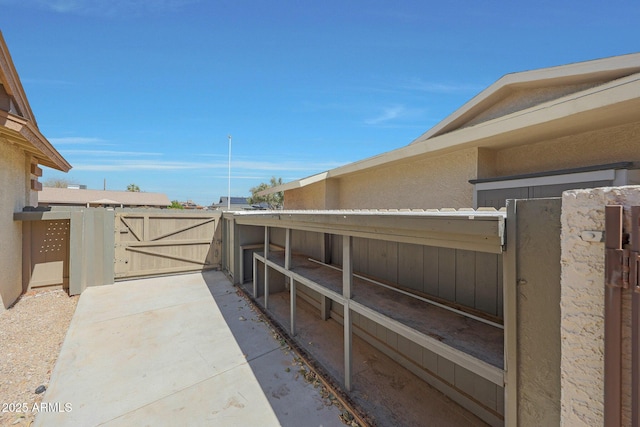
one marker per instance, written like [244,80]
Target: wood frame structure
[473,230]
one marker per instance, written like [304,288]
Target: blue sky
[146,92]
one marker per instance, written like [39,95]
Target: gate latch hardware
[622,265]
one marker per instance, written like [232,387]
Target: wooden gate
[45,254]
[165,242]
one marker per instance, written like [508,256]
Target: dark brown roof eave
[51,157]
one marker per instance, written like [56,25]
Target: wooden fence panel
[154,243]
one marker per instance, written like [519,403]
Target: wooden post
[255,277]
[510,315]
[325,307]
[347,285]
[266,267]
[287,249]
[292,283]
[292,297]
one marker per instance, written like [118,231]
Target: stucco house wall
[420,183]
[613,144]
[14,195]
[446,177]
[396,186]
[310,197]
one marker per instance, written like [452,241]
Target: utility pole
[229,187]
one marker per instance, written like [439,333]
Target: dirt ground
[31,334]
[389,394]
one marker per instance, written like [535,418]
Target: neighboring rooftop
[50,196]
[236,203]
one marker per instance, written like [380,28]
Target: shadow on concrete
[388,393]
[294,401]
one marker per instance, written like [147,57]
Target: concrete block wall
[582,307]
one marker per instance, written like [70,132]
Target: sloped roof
[18,125]
[80,197]
[530,88]
[234,200]
[522,108]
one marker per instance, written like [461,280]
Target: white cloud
[438,87]
[77,140]
[106,8]
[291,165]
[238,167]
[387,114]
[138,165]
[109,153]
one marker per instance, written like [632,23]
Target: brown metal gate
[155,243]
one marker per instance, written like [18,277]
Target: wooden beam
[510,316]
[325,307]
[35,170]
[477,230]
[255,276]
[180,230]
[168,256]
[124,221]
[266,267]
[347,285]
[292,298]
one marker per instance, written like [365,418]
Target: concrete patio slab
[178,350]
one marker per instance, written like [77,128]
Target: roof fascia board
[25,125]
[295,184]
[622,90]
[53,158]
[12,80]
[26,132]
[575,73]
[599,98]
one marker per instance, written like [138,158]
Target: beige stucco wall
[310,197]
[418,183]
[582,307]
[615,144]
[14,195]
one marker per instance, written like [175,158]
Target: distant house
[190,204]
[530,134]
[22,149]
[50,196]
[237,203]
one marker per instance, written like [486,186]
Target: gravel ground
[31,335]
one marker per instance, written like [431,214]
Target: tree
[133,188]
[57,183]
[274,200]
[176,205]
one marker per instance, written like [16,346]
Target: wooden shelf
[470,343]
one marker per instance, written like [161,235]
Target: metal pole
[229,185]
